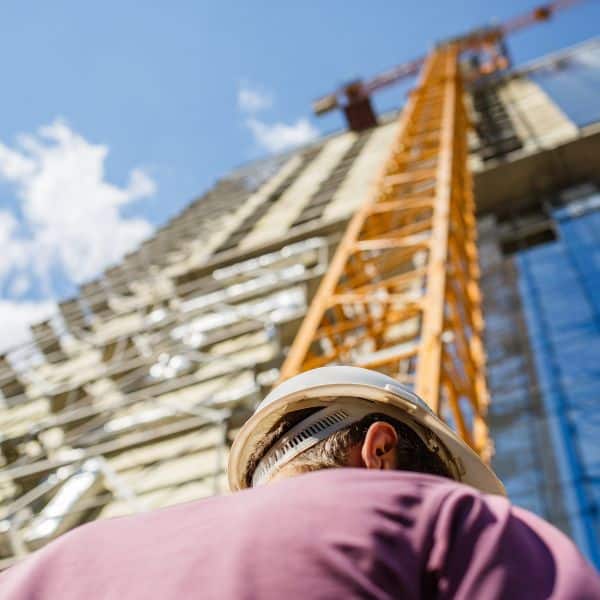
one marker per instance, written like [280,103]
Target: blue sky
[120,113]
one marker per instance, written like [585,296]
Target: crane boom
[491,36]
[401,294]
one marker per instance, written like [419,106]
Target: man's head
[349,417]
[376,441]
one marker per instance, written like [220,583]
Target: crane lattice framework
[401,294]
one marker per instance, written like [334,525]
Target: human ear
[378,449]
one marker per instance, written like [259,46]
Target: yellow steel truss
[401,294]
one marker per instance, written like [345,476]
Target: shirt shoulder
[487,547]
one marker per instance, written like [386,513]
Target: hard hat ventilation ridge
[306,434]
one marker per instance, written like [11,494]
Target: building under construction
[127,400]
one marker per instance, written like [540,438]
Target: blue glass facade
[560,294]
[572,81]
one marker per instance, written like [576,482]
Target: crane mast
[401,294]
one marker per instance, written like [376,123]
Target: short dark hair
[411,452]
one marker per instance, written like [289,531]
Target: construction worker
[413,513]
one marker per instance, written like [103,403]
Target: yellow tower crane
[402,292]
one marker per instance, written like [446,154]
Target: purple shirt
[341,533]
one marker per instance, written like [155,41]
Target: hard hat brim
[392,399]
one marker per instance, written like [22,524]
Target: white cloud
[276,137]
[70,212]
[140,185]
[69,220]
[13,256]
[20,286]
[252,99]
[15,318]
[14,165]
[272,137]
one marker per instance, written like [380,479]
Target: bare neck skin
[377,451]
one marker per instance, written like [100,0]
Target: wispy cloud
[272,137]
[252,99]
[276,137]
[69,218]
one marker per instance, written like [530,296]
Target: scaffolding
[111,385]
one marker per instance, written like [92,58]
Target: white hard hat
[346,394]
